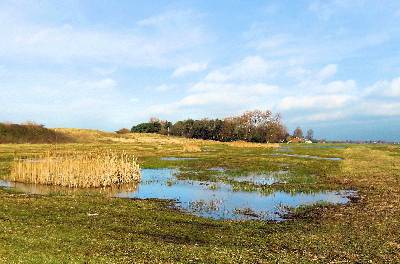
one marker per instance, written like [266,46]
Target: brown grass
[245,144]
[76,169]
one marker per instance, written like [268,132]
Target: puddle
[262,179]
[205,199]
[284,149]
[176,158]
[6,184]
[219,201]
[305,156]
[43,189]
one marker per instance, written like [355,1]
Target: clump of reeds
[76,169]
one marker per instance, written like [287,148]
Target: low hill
[31,133]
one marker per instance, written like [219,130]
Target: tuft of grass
[76,169]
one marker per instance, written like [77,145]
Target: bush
[123,131]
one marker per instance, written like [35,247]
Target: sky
[333,66]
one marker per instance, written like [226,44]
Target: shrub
[123,131]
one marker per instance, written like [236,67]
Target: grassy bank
[31,133]
[94,228]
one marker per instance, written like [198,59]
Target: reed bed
[76,169]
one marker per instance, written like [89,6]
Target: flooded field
[262,179]
[215,200]
[220,201]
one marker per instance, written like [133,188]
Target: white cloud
[250,68]
[323,117]
[394,88]
[70,43]
[221,96]
[189,68]
[319,117]
[60,101]
[342,87]
[378,108]
[318,101]
[385,88]
[249,88]
[327,72]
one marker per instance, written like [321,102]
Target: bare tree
[310,134]
[298,132]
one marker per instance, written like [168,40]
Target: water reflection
[205,199]
[43,189]
[262,179]
[219,201]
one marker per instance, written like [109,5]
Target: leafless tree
[310,134]
[298,132]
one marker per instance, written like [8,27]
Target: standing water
[219,201]
[205,199]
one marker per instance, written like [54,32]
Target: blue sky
[333,66]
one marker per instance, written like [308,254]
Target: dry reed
[76,169]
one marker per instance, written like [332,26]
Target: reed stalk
[76,169]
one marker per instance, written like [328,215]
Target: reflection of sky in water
[43,189]
[6,184]
[214,200]
[260,179]
[203,200]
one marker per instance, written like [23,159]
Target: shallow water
[43,189]
[305,156]
[219,201]
[6,184]
[262,179]
[205,199]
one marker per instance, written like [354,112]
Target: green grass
[60,228]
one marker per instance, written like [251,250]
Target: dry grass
[244,144]
[85,135]
[191,148]
[186,144]
[76,169]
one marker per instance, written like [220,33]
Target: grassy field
[89,227]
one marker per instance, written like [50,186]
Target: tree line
[252,126]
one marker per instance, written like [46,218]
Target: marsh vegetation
[95,227]
[76,168]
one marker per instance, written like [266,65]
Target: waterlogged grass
[95,228]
